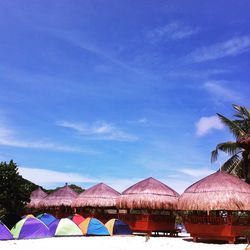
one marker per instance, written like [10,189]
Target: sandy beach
[116,243]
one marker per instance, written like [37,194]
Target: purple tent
[5,233]
[53,226]
[30,228]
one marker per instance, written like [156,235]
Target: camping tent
[92,226]
[64,227]
[5,233]
[46,218]
[118,227]
[28,216]
[76,218]
[30,228]
[9,220]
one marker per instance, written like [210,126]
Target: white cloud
[177,184]
[197,172]
[232,47]
[120,184]
[45,176]
[98,131]
[174,31]
[206,124]
[9,138]
[51,179]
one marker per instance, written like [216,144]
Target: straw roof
[35,197]
[218,191]
[61,197]
[148,194]
[100,195]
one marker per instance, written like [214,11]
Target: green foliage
[76,188]
[239,162]
[72,186]
[14,190]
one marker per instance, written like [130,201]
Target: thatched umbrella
[100,195]
[61,197]
[218,191]
[148,194]
[35,197]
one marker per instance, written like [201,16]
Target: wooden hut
[98,201]
[148,206]
[218,207]
[59,202]
[35,197]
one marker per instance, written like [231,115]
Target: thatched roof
[148,194]
[100,195]
[61,197]
[218,191]
[35,197]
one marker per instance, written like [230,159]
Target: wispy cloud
[196,172]
[138,121]
[121,184]
[206,124]
[44,176]
[98,131]
[232,47]
[9,138]
[51,179]
[219,91]
[171,31]
[77,40]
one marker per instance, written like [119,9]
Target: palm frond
[229,147]
[233,126]
[232,164]
[242,111]
[214,155]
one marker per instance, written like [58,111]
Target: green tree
[14,190]
[239,150]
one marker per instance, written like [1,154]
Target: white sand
[115,243]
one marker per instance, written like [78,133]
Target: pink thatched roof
[148,194]
[100,195]
[218,191]
[35,197]
[61,197]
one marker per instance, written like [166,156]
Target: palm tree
[239,150]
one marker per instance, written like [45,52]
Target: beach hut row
[146,206]
[216,207]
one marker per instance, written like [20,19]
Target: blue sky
[117,91]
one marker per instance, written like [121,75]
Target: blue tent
[118,227]
[92,226]
[46,218]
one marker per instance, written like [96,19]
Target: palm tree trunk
[246,162]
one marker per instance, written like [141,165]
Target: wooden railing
[217,220]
